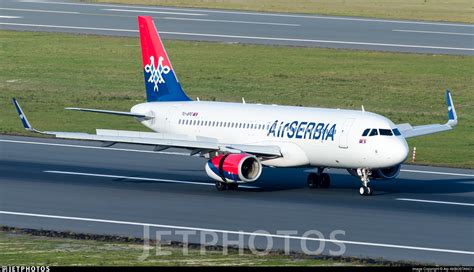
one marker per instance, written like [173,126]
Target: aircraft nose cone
[400,151]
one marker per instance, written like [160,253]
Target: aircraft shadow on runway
[271,179]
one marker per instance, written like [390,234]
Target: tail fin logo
[156,73]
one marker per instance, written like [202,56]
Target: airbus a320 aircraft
[239,138]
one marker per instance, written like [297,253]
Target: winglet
[23,118]
[452,117]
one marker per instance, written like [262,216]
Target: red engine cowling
[234,168]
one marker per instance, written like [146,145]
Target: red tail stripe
[151,43]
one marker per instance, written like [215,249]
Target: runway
[241,27]
[424,216]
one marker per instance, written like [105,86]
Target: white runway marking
[255,234]
[73,27]
[436,202]
[320,41]
[10,17]
[258,14]
[437,173]
[434,32]
[254,37]
[40,10]
[228,21]
[96,147]
[157,12]
[138,178]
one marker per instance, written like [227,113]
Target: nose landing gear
[364,174]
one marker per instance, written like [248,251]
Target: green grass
[436,10]
[48,72]
[24,249]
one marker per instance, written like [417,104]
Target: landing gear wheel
[364,175]
[314,180]
[365,191]
[221,186]
[233,186]
[325,181]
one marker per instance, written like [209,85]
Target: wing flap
[160,141]
[168,140]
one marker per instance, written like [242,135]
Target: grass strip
[48,71]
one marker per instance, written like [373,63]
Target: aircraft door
[343,137]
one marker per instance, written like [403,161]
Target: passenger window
[366,132]
[374,132]
[396,132]
[385,132]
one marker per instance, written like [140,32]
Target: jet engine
[386,173]
[234,168]
[381,173]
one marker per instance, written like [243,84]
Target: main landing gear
[222,186]
[319,180]
[364,174]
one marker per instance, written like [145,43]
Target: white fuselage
[317,137]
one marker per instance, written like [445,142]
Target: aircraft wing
[409,131]
[160,141]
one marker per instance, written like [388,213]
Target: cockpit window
[366,132]
[373,132]
[385,132]
[396,132]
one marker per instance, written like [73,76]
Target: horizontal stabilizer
[123,113]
